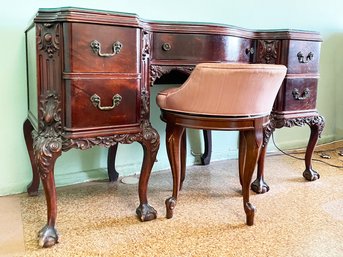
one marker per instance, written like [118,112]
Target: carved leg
[183,158]
[32,188]
[111,163]
[316,126]
[259,186]
[47,150]
[252,144]
[206,157]
[174,135]
[150,143]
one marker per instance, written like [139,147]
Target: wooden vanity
[90,73]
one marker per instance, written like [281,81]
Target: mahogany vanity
[89,77]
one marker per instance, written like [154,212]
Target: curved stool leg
[252,144]
[241,156]
[183,158]
[174,136]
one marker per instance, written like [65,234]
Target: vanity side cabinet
[85,89]
[102,73]
[298,93]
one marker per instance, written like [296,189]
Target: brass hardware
[96,100]
[297,96]
[96,47]
[166,46]
[302,59]
[249,51]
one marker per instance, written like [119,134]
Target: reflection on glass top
[162,22]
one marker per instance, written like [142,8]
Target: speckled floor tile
[295,218]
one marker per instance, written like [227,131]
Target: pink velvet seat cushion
[226,89]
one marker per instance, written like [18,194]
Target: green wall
[78,166]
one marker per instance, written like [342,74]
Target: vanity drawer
[101,48]
[297,94]
[200,47]
[96,103]
[303,57]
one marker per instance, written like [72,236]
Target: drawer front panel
[101,48]
[303,57]
[200,47]
[102,103]
[297,94]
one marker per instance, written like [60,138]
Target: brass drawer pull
[302,59]
[297,96]
[96,47]
[96,100]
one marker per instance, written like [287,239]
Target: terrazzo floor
[295,218]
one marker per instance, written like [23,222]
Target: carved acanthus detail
[156,71]
[148,133]
[47,141]
[299,122]
[268,51]
[48,38]
[145,97]
[146,45]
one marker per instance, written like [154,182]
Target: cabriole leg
[32,188]
[206,157]
[47,150]
[150,143]
[259,186]
[316,126]
[111,163]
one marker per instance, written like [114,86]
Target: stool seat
[220,96]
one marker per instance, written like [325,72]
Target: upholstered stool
[221,96]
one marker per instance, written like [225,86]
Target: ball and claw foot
[170,206]
[250,213]
[311,175]
[259,186]
[48,236]
[145,212]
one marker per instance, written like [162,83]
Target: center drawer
[200,47]
[96,103]
[101,48]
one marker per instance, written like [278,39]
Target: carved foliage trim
[311,121]
[156,71]
[47,142]
[48,38]
[147,135]
[145,103]
[146,45]
[268,51]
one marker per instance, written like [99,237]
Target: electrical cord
[302,159]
